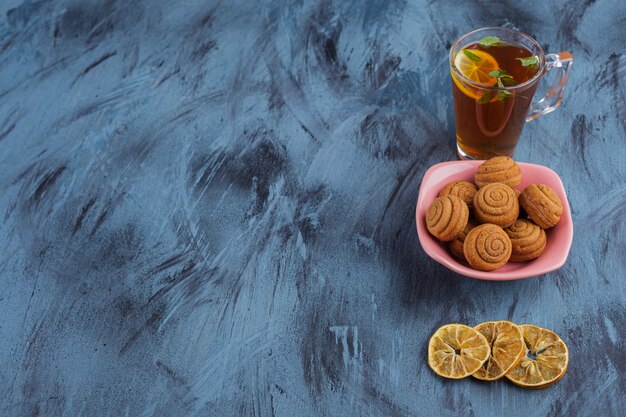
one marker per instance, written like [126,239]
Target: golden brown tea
[490,109]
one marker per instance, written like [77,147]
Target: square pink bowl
[559,237]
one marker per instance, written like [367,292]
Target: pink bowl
[559,237]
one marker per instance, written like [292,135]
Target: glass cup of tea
[495,73]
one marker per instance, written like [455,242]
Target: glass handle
[562,61]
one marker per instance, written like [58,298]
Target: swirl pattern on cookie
[464,189]
[542,205]
[487,247]
[447,217]
[456,244]
[527,239]
[498,169]
[496,203]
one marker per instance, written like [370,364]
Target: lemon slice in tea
[507,349]
[545,362]
[477,71]
[456,351]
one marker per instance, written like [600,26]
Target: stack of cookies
[481,221]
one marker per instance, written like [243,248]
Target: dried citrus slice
[507,349]
[456,351]
[477,71]
[546,359]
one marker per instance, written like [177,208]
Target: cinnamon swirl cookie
[542,205]
[447,217]
[496,203]
[498,169]
[487,247]
[464,189]
[527,239]
[456,244]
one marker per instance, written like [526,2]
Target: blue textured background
[207,209]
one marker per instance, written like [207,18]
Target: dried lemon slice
[456,351]
[507,349]
[546,359]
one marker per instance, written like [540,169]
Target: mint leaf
[501,95]
[530,61]
[500,74]
[504,95]
[508,81]
[485,98]
[489,41]
[471,56]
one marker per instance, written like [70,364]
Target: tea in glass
[495,73]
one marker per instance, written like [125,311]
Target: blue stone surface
[208,209]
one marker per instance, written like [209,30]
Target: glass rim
[538,74]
